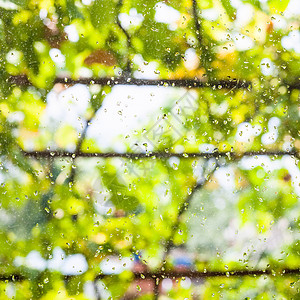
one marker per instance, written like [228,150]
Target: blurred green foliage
[246,215]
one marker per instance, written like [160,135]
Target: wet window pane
[149,149]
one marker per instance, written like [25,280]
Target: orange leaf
[101,57]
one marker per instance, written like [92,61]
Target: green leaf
[103,13]
[278,6]
[72,10]
[30,56]
[157,39]
[230,10]
[255,3]
[120,196]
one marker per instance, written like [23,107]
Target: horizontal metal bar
[235,273]
[215,154]
[177,274]
[23,80]
[207,274]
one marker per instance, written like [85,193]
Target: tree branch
[197,23]
[78,147]
[205,55]
[128,38]
[183,207]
